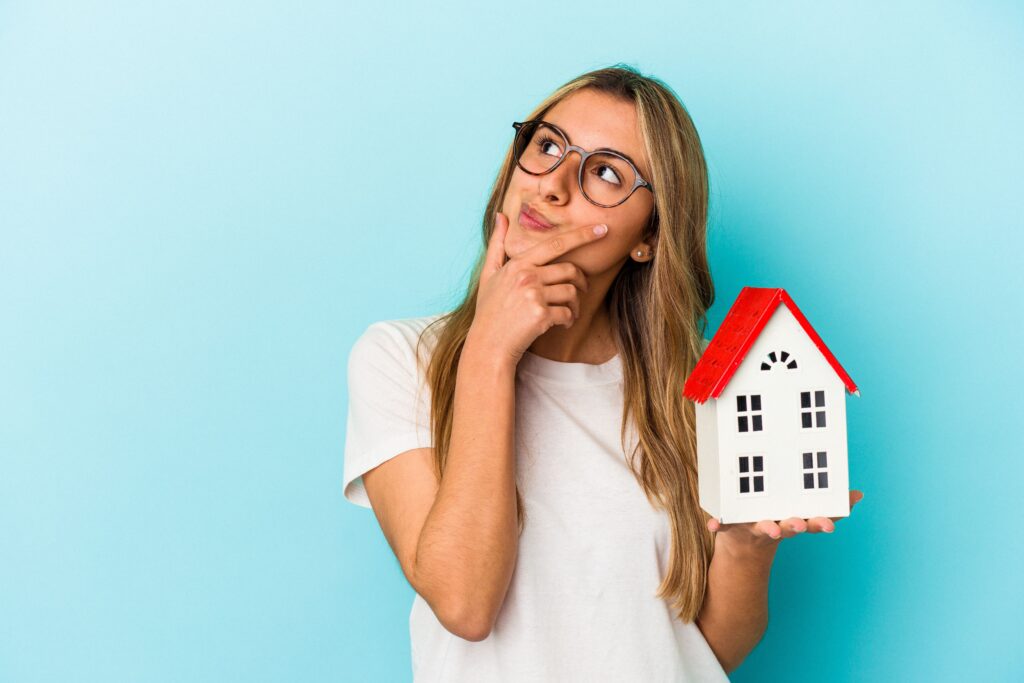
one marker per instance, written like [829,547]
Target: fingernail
[600,229]
[828,529]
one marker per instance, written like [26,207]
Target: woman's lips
[527,221]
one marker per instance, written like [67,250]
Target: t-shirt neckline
[572,373]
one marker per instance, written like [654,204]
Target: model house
[771,415]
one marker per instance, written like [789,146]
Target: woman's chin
[517,242]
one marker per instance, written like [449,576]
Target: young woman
[530,456]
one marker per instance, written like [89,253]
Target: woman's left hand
[768,532]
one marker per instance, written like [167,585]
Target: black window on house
[779,359]
[812,415]
[815,470]
[751,473]
[748,413]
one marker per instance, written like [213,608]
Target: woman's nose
[561,180]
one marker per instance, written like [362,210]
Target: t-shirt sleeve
[388,405]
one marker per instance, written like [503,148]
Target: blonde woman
[530,456]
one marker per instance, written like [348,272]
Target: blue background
[202,205]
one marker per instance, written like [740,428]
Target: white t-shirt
[581,605]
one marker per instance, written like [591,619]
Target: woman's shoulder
[405,326]
[405,330]
[395,337]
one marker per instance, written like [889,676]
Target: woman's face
[590,119]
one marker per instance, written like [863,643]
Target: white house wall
[707,457]
[783,440]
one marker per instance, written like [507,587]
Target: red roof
[743,323]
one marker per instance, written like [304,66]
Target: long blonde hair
[657,310]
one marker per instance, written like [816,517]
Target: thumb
[495,257]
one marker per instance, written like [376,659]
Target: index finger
[552,248]
[494,258]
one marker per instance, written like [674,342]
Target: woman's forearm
[734,616]
[469,541]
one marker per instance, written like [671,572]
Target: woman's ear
[642,252]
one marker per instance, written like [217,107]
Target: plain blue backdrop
[203,204]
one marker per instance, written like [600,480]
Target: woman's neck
[589,340]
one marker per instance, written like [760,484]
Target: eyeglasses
[606,178]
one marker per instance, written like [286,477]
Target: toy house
[771,415]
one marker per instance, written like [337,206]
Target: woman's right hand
[522,298]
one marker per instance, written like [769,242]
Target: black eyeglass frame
[584,155]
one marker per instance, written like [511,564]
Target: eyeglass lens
[607,178]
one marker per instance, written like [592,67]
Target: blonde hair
[657,310]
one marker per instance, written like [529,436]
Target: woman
[539,488]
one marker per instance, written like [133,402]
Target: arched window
[780,359]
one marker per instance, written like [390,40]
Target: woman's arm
[467,548]
[734,616]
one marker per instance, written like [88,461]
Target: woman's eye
[544,144]
[608,174]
